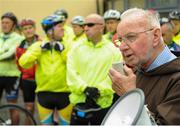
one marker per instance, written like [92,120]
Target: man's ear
[157,36]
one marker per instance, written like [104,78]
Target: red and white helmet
[25,22]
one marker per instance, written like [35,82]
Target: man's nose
[123,46]
[85,28]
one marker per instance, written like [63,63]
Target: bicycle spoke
[21,116]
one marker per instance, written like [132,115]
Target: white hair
[133,13]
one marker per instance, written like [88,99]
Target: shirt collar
[164,57]
[6,36]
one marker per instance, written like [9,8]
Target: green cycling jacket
[108,36]
[51,67]
[88,65]
[68,33]
[8,44]
[80,38]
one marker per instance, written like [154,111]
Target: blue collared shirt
[164,57]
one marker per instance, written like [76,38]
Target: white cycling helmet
[163,20]
[79,20]
[174,15]
[112,14]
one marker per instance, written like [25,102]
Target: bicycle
[5,118]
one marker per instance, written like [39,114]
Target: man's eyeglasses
[130,37]
[92,24]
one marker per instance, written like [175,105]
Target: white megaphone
[129,109]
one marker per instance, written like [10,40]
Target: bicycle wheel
[5,118]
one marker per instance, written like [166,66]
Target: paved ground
[21,103]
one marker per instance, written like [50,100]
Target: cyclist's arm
[8,53]
[105,86]
[30,56]
[74,80]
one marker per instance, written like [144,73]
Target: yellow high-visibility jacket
[176,39]
[51,67]
[88,65]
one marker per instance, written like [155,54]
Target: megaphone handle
[152,120]
[150,116]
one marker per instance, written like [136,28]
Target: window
[162,4]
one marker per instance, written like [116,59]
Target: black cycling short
[85,118]
[52,100]
[28,89]
[11,86]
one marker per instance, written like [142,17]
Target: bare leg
[14,113]
[55,117]
[30,107]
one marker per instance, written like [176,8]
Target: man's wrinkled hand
[122,83]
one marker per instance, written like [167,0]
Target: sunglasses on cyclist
[91,24]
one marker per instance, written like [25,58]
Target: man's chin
[133,67]
[130,65]
[6,32]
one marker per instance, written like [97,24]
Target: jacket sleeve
[30,56]
[106,85]
[65,51]
[74,81]
[8,53]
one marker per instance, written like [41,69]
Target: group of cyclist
[170,30]
[67,70]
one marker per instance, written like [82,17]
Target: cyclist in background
[77,24]
[112,18]
[50,57]
[167,34]
[174,17]
[28,84]
[68,32]
[87,74]
[9,72]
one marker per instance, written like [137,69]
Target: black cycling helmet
[11,16]
[61,12]
[174,15]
